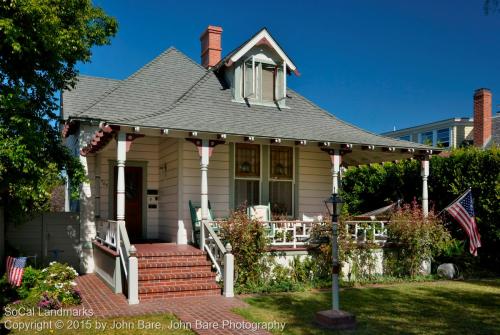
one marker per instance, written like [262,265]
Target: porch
[142,181]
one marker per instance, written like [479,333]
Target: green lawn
[441,307]
[163,324]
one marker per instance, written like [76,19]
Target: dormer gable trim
[262,38]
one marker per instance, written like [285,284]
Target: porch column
[121,156]
[205,153]
[425,191]
[335,157]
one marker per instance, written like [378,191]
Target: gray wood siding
[168,190]
[314,181]
[218,181]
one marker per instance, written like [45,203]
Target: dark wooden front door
[133,201]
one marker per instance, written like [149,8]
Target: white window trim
[274,45]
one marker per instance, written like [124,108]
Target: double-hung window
[263,80]
[281,180]
[247,174]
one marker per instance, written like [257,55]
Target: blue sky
[376,64]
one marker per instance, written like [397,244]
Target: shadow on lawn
[431,308]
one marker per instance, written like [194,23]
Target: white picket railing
[364,230]
[286,233]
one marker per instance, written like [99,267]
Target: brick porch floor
[99,297]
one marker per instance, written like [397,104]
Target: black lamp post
[335,318]
[334,207]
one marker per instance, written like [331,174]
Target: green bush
[31,279]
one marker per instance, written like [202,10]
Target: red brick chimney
[211,49]
[482,117]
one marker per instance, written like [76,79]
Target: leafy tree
[41,41]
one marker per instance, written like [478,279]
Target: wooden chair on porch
[195,210]
[262,213]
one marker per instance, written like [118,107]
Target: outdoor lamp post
[334,207]
[335,318]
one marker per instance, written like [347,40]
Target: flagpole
[457,199]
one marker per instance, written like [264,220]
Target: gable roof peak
[261,37]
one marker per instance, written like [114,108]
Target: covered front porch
[142,180]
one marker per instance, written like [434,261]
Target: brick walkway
[103,302]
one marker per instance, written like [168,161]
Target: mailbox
[152,199]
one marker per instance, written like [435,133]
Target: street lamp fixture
[335,318]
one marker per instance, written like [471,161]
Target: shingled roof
[174,92]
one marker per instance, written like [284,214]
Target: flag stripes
[463,211]
[15,270]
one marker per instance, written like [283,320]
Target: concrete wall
[49,237]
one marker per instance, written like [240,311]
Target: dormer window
[256,71]
[263,80]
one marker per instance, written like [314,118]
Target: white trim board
[256,39]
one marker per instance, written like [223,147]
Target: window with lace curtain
[281,180]
[247,174]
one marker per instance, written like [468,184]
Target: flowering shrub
[50,288]
[58,284]
[248,240]
[417,238]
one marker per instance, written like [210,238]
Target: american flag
[15,269]
[463,211]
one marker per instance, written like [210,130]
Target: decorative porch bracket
[205,149]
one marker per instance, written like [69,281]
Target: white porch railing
[362,231]
[221,257]
[295,233]
[291,233]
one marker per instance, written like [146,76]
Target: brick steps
[159,264]
[175,269]
[178,273]
[151,277]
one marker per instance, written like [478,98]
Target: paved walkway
[103,302]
